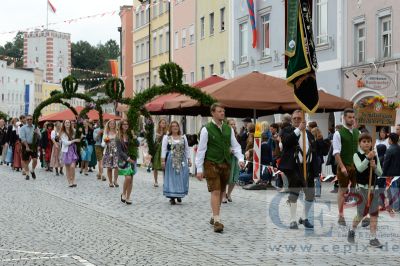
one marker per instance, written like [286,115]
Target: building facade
[16,90]
[50,51]
[373,50]
[126,13]
[213,43]
[47,88]
[151,44]
[184,38]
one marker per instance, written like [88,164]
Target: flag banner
[302,64]
[114,67]
[292,12]
[51,7]
[250,4]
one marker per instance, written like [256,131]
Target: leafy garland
[378,99]
[171,75]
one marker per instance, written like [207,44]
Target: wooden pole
[370,168]
[304,149]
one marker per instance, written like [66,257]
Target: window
[137,53]
[147,15]
[222,67]
[203,73]
[265,35]
[212,24]
[183,37]
[142,85]
[155,45]
[322,22]
[176,40]
[155,8]
[137,20]
[360,43]
[155,79]
[222,18]
[161,40]
[142,18]
[243,42]
[386,36]
[37,59]
[211,69]
[191,77]
[161,8]
[167,40]
[184,81]
[202,27]
[142,52]
[191,34]
[147,48]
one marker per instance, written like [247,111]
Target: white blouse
[164,146]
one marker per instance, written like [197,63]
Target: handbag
[9,155]
[123,164]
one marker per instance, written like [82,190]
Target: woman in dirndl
[11,139]
[87,149]
[69,151]
[110,158]
[160,133]
[175,158]
[55,160]
[17,152]
[126,165]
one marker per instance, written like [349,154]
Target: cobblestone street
[43,222]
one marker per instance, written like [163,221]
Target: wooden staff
[370,168]
[304,150]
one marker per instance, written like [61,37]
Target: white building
[50,51]
[16,90]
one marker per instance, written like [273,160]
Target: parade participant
[15,143]
[217,141]
[99,150]
[320,160]
[110,158]
[175,159]
[69,151]
[345,145]
[292,165]
[29,136]
[160,133]
[126,165]
[363,160]
[86,151]
[55,160]
[243,135]
[382,138]
[22,122]
[391,168]
[47,145]
[234,174]
[3,141]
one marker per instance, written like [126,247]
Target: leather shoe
[306,223]
[218,227]
[293,225]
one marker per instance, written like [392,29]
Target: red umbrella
[69,115]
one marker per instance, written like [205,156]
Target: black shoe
[33,175]
[57,174]
[74,185]
[27,177]
[122,199]
[172,201]
[342,221]
[212,221]
[365,222]
[179,200]
[71,186]
[61,173]
[293,225]
[350,237]
[375,243]
[90,170]
[306,223]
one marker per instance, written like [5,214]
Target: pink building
[373,50]
[126,14]
[183,38]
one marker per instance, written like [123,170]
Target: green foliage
[115,88]
[14,49]
[3,116]
[52,93]
[70,85]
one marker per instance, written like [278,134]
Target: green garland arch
[171,75]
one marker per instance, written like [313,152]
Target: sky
[23,14]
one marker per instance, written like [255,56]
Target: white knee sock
[293,210]
[308,210]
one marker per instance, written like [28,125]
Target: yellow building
[212,41]
[47,88]
[151,41]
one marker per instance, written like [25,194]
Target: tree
[14,49]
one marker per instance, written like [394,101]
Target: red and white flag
[51,7]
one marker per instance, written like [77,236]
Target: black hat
[247,120]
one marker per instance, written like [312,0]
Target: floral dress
[110,158]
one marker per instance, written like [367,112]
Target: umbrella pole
[304,151]
[255,115]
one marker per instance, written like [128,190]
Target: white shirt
[65,142]
[164,146]
[202,148]
[337,141]
[298,132]
[384,142]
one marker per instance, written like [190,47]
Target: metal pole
[169,29]
[150,43]
[120,51]
[47,15]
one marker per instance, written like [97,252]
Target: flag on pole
[300,49]
[114,67]
[51,7]
[250,4]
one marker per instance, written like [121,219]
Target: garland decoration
[378,100]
